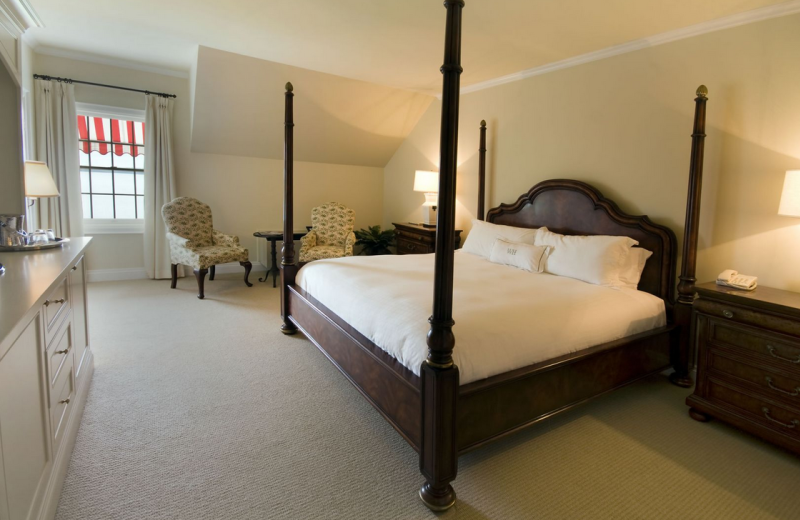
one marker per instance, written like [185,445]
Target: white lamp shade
[790,199]
[425,181]
[39,181]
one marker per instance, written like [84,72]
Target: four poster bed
[439,415]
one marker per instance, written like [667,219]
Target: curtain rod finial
[702,91]
[289,86]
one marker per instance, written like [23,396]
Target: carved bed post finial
[482,172]
[438,456]
[683,308]
[288,266]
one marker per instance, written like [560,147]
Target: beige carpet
[203,410]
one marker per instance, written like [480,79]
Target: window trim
[111,226]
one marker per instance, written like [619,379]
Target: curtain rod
[67,80]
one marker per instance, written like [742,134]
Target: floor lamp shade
[790,199]
[39,181]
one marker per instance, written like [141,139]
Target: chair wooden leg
[200,274]
[247,267]
[174,283]
[212,271]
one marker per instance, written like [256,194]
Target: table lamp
[428,183]
[790,199]
[39,181]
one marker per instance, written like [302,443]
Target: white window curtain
[57,145]
[159,184]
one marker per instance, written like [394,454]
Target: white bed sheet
[505,318]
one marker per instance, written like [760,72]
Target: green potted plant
[374,241]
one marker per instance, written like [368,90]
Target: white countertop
[27,280]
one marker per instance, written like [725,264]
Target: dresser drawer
[55,308]
[59,351]
[759,410]
[772,347]
[773,384]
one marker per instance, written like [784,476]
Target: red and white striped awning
[131,132]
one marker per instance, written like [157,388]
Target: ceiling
[396,43]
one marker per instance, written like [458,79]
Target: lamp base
[429,216]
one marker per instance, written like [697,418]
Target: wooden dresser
[415,239]
[748,367]
[45,369]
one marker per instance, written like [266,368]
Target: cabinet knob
[74,267]
[48,302]
[64,401]
[728,314]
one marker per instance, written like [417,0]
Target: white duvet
[505,318]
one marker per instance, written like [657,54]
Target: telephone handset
[731,278]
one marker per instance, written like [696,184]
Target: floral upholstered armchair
[195,243]
[331,234]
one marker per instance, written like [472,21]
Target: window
[112,150]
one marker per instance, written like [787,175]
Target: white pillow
[482,236]
[632,269]
[594,259]
[517,254]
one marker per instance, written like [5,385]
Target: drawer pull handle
[772,353]
[411,247]
[65,351]
[791,425]
[728,314]
[64,401]
[48,302]
[74,267]
[795,393]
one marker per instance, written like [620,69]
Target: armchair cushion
[320,252]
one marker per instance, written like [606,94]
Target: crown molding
[726,22]
[105,60]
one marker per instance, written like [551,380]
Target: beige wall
[245,194]
[623,124]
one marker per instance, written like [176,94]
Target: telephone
[731,278]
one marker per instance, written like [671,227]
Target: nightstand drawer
[771,383]
[775,348]
[760,410]
[754,317]
[412,247]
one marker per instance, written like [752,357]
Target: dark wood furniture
[200,275]
[438,417]
[272,237]
[416,239]
[748,367]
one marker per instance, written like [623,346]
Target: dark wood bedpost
[482,172]
[288,265]
[681,355]
[438,456]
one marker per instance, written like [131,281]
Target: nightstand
[415,239]
[748,366]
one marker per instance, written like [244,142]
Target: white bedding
[505,318]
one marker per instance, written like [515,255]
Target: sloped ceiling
[239,110]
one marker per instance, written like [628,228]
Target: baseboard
[138,273]
[234,267]
[110,275]
[62,458]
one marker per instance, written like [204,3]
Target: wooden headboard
[575,208]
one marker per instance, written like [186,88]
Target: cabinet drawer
[55,307]
[59,351]
[776,385]
[758,409]
[757,318]
[61,398]
[772,347]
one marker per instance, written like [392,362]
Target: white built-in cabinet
[45,370]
